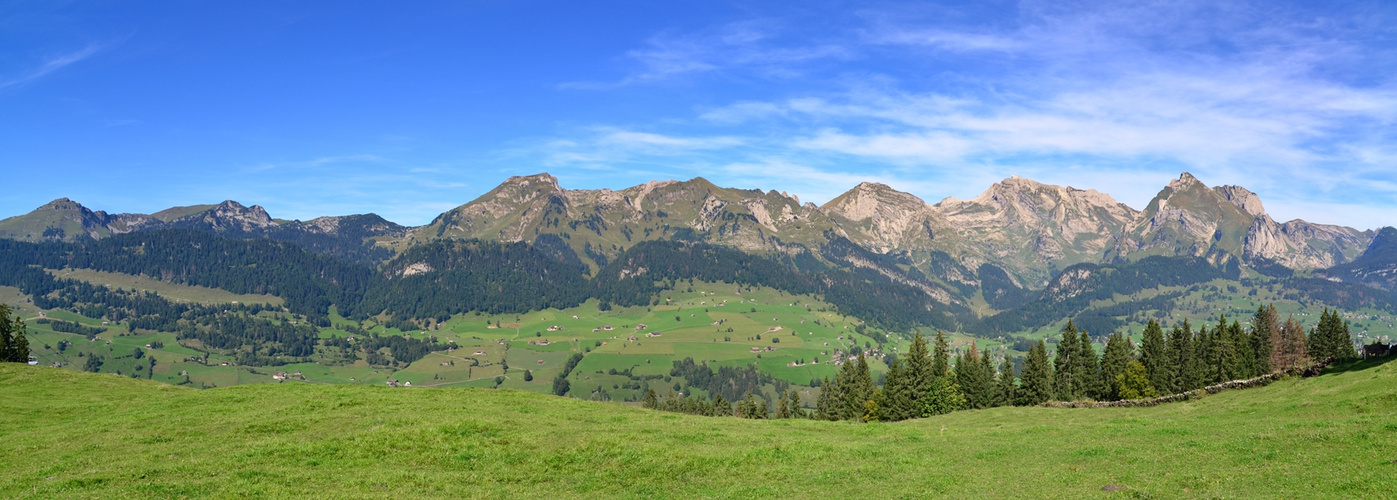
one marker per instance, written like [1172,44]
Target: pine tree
[1244,358]
[720,407]
[1119,352]
[1154,355]
[1007,393]
[920,372]
[1182,349]
[651,401]
[1062,364]
[897,403]
[1037,386]
[1265,327]
[762,411]
[1331,339]
[1087,368]
[14,346]
[841,399]
[941,358]
[860,390]
[978,389]
[987,374]
[794,405]
[824,403]
[782,410]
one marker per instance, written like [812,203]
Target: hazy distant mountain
[348,236]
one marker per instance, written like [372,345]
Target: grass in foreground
[71,434]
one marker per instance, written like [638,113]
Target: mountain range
[1027,229]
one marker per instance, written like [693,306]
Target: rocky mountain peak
[543,181]
[1185,180]
[1246,200]
[62,204]
[873,199]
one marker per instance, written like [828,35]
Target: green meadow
[791,337]
[69,434]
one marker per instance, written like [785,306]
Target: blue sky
[407,109]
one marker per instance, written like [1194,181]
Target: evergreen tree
[1037,386]
[1265,327]
[897,403]
[978,390]
[1134,382]
[528,375]
[824,403]
[720,407]
[1223,352]
[941,358]
[794,405]
[987,373]
[1245,358]
[782,409]
[920,372]
[650,401]
[1331,340]
[1119,352]
[762,411]
[1008,389]
[859,391]
[1062,364]
[14,346]
[1154,355]
[1087,368]
[1181,349]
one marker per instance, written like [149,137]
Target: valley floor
[72,434]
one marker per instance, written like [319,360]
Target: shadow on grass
[1360,365]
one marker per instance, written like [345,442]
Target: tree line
[925,382]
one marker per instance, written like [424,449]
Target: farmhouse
[556,328]
[479,352]
[608,327]
[640,326]
[755,349]
[653,334]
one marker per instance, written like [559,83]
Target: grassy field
[796,338]
[69,434]
[797,329]
[172,291]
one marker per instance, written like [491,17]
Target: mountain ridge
[1026,228]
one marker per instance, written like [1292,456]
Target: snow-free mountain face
[1032,229]
[1023,230]
[1189,218]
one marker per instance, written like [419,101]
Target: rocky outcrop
[1030,228]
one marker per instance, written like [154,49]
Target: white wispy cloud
[1114,96]
[53,64]
[750,46]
